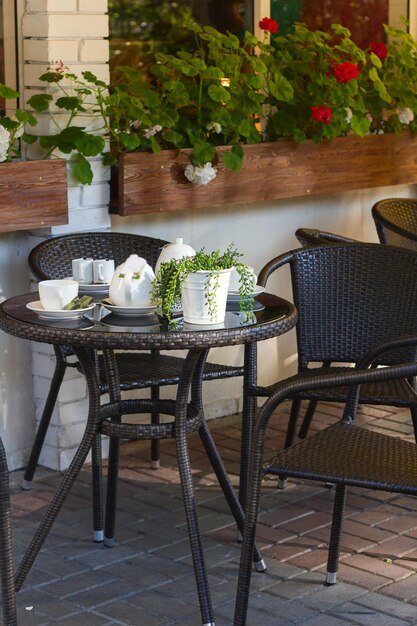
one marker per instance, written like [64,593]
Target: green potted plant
[201,283]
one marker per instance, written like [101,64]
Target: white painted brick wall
[53,25]
[71,31]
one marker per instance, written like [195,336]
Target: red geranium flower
[345,72]
[321,114]
[268,25]
[380,49]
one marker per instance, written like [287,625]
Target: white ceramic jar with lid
[177,250]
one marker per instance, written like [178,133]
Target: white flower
[349,115]
[4,143]
[150,132]
[200,175]
[369,117]
[136,124]
[215,127]
[405,115]
[4,137]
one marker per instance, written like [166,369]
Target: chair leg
[413,411]
[336,531]
[57,379]
[155,444]
[305,426]
[289,438]
[8,593]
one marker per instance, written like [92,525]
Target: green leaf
[51,77]
[70,103]
[82,169]
[109,159]
[360,125]
[129,140]
[375,60]
[233,159]
[218,93]
[40,101]
[156,148]
[7,92]
[28,138]
[26,117]
[281,89]
[90,145]
[244,128]
[202,153]
[92,78]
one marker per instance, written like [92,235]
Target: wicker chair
[342,453]
[52,259]
[396,221]
[315,237]
[349,297]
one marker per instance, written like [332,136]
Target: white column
[74,32]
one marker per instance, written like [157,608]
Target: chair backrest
[314,236]
[52,257]
[396,221]
[350,298]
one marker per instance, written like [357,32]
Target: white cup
[103,271]
[235,279]
[56,294]
[82,270]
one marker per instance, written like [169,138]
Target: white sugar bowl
[177,250]
[132,283]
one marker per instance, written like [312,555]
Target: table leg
[114,449]
[194,362]
[248,415]
[218,466]
[72,472]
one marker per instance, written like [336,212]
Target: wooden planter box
[33,194]
[271,171]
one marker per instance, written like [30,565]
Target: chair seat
[358,457]
[391,392]
[144,370]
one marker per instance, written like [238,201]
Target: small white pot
[193,295]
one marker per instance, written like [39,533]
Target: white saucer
[234,296]
[128,311]
[92,288]
[50,314]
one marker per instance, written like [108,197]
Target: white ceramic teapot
[177,250]
[132,283]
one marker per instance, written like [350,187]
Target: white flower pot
[195,304]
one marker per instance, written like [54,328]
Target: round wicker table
[106,332]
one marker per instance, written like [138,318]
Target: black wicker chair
[396,221]
[343,453]
[315,237]
[349,297]
[52,259]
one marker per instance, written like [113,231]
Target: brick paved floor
[146,579]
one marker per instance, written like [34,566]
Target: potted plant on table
[201,283]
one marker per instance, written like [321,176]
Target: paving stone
[357,614]
[377,565]
[366,579]
[405,589]
[335,595]
[379,602]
